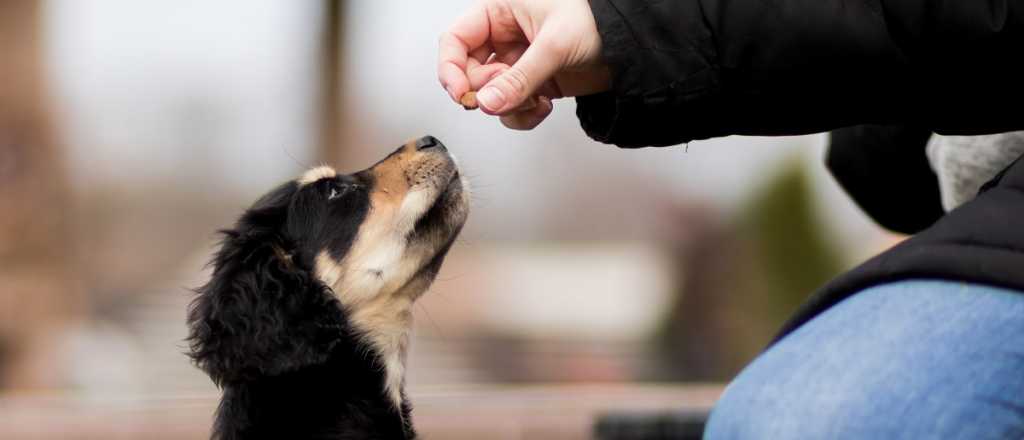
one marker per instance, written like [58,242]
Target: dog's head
[329,259]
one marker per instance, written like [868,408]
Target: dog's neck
[341,398]
[379,315]
[385,325]
[382,318]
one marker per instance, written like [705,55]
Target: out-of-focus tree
[332,122]
[36,297]
[795,256]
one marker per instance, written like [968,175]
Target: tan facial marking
[377,278]
[390,182]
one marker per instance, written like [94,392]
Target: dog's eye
[337,190]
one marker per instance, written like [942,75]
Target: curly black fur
[277,341]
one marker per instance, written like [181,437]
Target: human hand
[521,54]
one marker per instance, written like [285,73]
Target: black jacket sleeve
[694,69]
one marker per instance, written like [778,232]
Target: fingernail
[491,98]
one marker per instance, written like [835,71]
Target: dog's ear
[261,313]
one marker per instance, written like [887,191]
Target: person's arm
[693,69]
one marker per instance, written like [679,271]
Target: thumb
[520,81]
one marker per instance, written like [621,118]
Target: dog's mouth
[432,211]
[449,198]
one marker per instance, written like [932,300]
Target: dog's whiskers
[432,322]
[292,157]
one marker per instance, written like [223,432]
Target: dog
[305,322]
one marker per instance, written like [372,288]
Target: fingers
[480,55]
[481,75]
[468,33]
[529,119]
[513,86]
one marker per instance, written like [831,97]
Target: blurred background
[588,279]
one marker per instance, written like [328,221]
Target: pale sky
[219,95]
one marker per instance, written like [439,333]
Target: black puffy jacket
[885,73]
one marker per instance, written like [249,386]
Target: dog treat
[468,101]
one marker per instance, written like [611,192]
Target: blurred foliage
[790,244]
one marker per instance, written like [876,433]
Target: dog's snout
[426,142]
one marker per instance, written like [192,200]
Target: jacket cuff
[661,59]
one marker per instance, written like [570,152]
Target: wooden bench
[603,411]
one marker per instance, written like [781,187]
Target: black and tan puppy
[305,321]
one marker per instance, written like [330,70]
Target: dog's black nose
[428,142]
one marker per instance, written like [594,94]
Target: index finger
[470,31]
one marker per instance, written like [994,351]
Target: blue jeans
[915,359]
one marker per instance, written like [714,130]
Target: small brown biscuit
[468,101]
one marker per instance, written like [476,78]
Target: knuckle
[447,38]
[558,45]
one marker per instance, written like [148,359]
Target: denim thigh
[916,359]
